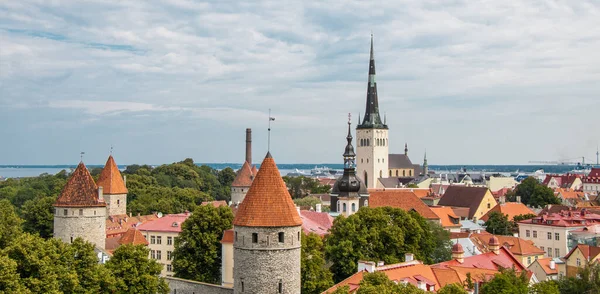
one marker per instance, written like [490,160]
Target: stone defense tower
[113,186]
[372,136]
[80,210]
[349,193]
[266,245]
[245,176]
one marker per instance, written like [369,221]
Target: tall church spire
[372,119]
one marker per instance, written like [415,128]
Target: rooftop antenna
[269,136]
[81,155]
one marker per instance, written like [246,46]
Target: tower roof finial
[372,119]
[372,57]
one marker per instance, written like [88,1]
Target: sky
[470,82]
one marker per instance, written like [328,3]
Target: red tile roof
[405,200]
[134,237]
[463,196]
[110,178]
[80,190]
[244,176]
[589,252]
[565,218]
[316,222]
[516,245]
[117,225]
[218,203]
[167,223]
[447,216]
[564,181]
[227,237]
[268,202]
[545,265]
[511,209]
[489,260]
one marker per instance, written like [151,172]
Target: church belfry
[372,135]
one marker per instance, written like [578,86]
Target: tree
[302,186]
[379,283]
[383,233]
[507,282]
[9,277]
[452,289]
[545,287]
[499,224]
[135,272]
[10,223]
[520,217]
[534,194]
[39,216]
[587,281]
[315,277]
[412,185]
[197,254]
[307,201]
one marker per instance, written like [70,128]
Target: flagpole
[269,136]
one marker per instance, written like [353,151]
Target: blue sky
[473,82]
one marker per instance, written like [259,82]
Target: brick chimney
[249,146]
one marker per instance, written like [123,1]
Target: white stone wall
[116,204]
[88,223]
[227,265]
[372,160]
[260,267]
[238,194]
[348,202]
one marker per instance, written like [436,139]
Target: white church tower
[372,136]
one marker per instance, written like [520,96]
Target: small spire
[372,57]
[385,118]
[405,148]
[359,117]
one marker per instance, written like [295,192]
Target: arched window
[410,173]
[366,179]
[396,172]
[344,207]
[404,173]
[368,142]
[390,173]
[353,207]
[338,206]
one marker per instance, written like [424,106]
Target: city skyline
[160,82]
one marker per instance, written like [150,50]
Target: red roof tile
[447,216]
[589,252]
[316,222]
[401,199]
[516,245]
[268,202]
[110,178]
[167,223]
[227,237]
[80,190]
[134,237]
[117,225]
[511,209]
[488,260]
[545,265]
[244,176]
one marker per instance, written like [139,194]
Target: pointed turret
[110,178]
[372,119]
[80,190]
[425,165]
[268,202]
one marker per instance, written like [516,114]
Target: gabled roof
[80,190]
[511,209]
[110,178]
[268,202]
[589,252]
[405,200]
[564,181]
[167,223]
[447,216]
[399,161]
[227,237]
[462,196]
[117,225]
[244,176]
[134,237]
[545,265]
[567,193]
[489,260]
[516,245]
[316,222]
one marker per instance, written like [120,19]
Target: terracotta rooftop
[134,237]
[462,196]
[110,178]
[167,223]
[545,265]
[489,260]
[405,200]
[447,216]
[316,222]
[589,252]
[564,181]
[565,218]
[516,245]
[511,209]
[268,202]
[567,193]
[244,176]
[117,225]
[80,190]
[227,237]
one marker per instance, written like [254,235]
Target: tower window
[298,236]
[242,285]
[65,212]
[80,211]
[235,236]
[353,207]
[280,287]
[344,207]
[281,237]
[254,237]
[118,201]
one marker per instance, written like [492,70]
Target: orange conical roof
[244,176]
[110,179]
[254,170]
[133,236]
[80,190]
[268,202]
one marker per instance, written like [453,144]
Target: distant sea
[18,171]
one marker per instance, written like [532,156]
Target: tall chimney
[100,194]
[249,146]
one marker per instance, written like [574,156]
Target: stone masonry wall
[238,194]
[261,266]
[88,223]
[181,286]
[116,204]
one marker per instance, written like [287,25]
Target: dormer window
[175,224]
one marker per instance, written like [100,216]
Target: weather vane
[81,155]
[269,136]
